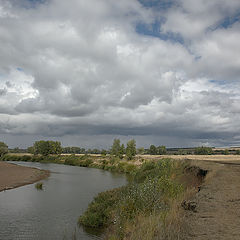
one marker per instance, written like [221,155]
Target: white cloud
[83,69]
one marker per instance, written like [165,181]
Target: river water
[28,213]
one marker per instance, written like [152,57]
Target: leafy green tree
[141,151]
[3,149]
[131,149]
[122,151]
[116,147]
[153,150]
[47,147]
[55,147]
[161,150]
[31,150]
[203,151]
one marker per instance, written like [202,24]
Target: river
[28,213]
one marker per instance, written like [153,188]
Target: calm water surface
[26,213]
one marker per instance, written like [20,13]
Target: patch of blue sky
[219,82]
[19,69]
[154,30]
[158,4]
[226,22]
[31,3]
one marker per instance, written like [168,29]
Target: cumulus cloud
[82,69]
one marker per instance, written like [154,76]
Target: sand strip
[13,176]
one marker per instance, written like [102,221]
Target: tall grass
[147,199]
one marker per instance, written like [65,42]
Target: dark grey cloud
[81,72]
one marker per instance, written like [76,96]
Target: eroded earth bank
[217,212]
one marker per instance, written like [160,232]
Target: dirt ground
[12,176]
[217,215]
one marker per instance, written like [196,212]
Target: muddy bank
[217,205]
[12,176]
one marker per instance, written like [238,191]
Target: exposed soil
[214,212]
[12,176]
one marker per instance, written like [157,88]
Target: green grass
[151,192]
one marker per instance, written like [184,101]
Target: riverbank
[152,199]
[13,176]
[217,204]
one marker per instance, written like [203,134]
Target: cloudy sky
[164,72]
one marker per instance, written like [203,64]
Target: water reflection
[26,213]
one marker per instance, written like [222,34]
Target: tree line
[117,149]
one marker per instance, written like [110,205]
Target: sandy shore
[12,176]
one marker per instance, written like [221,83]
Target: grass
[39,186]
[141,209]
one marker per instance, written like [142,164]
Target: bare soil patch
[12,176]
[217,211]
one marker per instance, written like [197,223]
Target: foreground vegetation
[141,209]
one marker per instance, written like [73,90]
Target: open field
[218,158]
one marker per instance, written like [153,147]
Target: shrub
[39,186]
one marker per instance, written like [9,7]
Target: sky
[164,72]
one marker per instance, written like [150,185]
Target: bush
[71,160]
[151,192]
[85,163]
[99,211]
[39,186]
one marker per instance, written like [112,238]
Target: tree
[47,147]
[140,151]
[116,147]
[3,149]
[226,152]
[203,151]
[131,149]
[31,150]
[161,150]
[122,151]
[153,150]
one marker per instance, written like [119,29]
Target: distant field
[196,157]
[223,158]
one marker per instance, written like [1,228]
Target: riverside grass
[147,208]
[147,204]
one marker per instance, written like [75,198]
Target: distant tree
[182,152]
[238,152]
[122,151]
[47,147]
[104,152]
[152,150]
[3,149]
[116,147]
[54,147]
[161,150]
[140,151]
[203,151]
[226,152]
[131,149]
[31,150]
